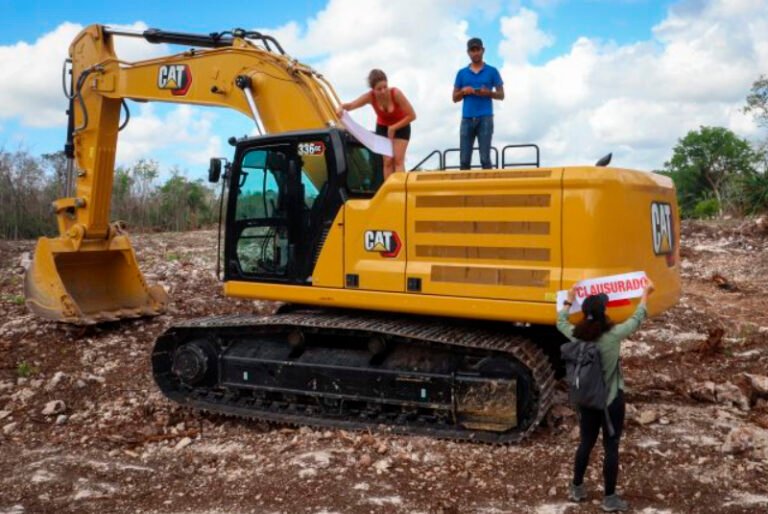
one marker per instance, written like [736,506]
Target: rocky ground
[83,428]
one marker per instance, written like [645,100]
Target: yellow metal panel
[486,235]
[387,301]
[607,229]
[385,212]
[329,271]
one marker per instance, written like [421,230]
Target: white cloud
[186,130]
[522,37]
[30,74]
[633,99]
[638,99]
[695,67]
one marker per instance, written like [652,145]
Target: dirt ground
[84,429]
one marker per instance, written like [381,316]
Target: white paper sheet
[377,144]
[617,287]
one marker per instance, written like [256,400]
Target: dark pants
[471,128]
[590,422]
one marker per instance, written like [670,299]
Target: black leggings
[590,421]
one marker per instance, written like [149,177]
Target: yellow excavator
[424,303]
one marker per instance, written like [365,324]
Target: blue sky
[621,21]
[558,89]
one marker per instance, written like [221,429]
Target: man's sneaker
[577,492]
[614,503]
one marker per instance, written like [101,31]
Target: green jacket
[609,344]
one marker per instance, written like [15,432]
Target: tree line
[29,185]
[716,172]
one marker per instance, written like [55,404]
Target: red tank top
[387,118]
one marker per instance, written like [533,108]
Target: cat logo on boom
[175,77]
[385,242]
[663,237]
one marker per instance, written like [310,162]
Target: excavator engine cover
[98,282]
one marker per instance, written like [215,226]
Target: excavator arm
[89,273]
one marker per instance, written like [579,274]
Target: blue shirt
[476,106]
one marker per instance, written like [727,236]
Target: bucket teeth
[96,283]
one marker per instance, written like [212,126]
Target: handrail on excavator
[504,164]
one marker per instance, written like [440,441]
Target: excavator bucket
[99,281]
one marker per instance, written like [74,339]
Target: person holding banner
[394,115]
[597,327]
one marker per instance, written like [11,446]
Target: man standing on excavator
[476,85]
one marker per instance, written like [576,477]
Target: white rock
[54,407]
[183,443]
[759,383]
[307,473]
[739,440]
[25,260]
[10,427]
[647,417]
[4,414]
[61,419]
[729,393]
[382,465]
[56,380]
[704,392]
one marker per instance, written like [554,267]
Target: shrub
[708,208]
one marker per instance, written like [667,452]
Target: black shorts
[401,133]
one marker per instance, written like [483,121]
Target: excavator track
[438,377]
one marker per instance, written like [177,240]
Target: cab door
[275,209]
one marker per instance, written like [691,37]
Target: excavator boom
[89,273]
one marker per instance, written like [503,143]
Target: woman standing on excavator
[394,115]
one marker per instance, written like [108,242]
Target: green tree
[26,193]
[707,162]
[122,197]
[144,173]
[185,204]
[757,101]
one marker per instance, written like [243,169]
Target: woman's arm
[626,328]
[410,114]
[358,102]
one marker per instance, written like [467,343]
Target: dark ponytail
[595,322]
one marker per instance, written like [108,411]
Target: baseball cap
[475,42]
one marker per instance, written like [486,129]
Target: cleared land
[696,438]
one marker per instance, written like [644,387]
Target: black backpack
[584,374]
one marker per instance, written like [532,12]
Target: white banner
[375,143]
[617,287]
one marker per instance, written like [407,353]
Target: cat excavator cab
[424,303]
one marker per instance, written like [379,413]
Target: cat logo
[386,242]
[663,237]
[175,77]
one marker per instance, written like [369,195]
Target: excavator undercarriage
[356,370]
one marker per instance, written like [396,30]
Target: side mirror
[214,170]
